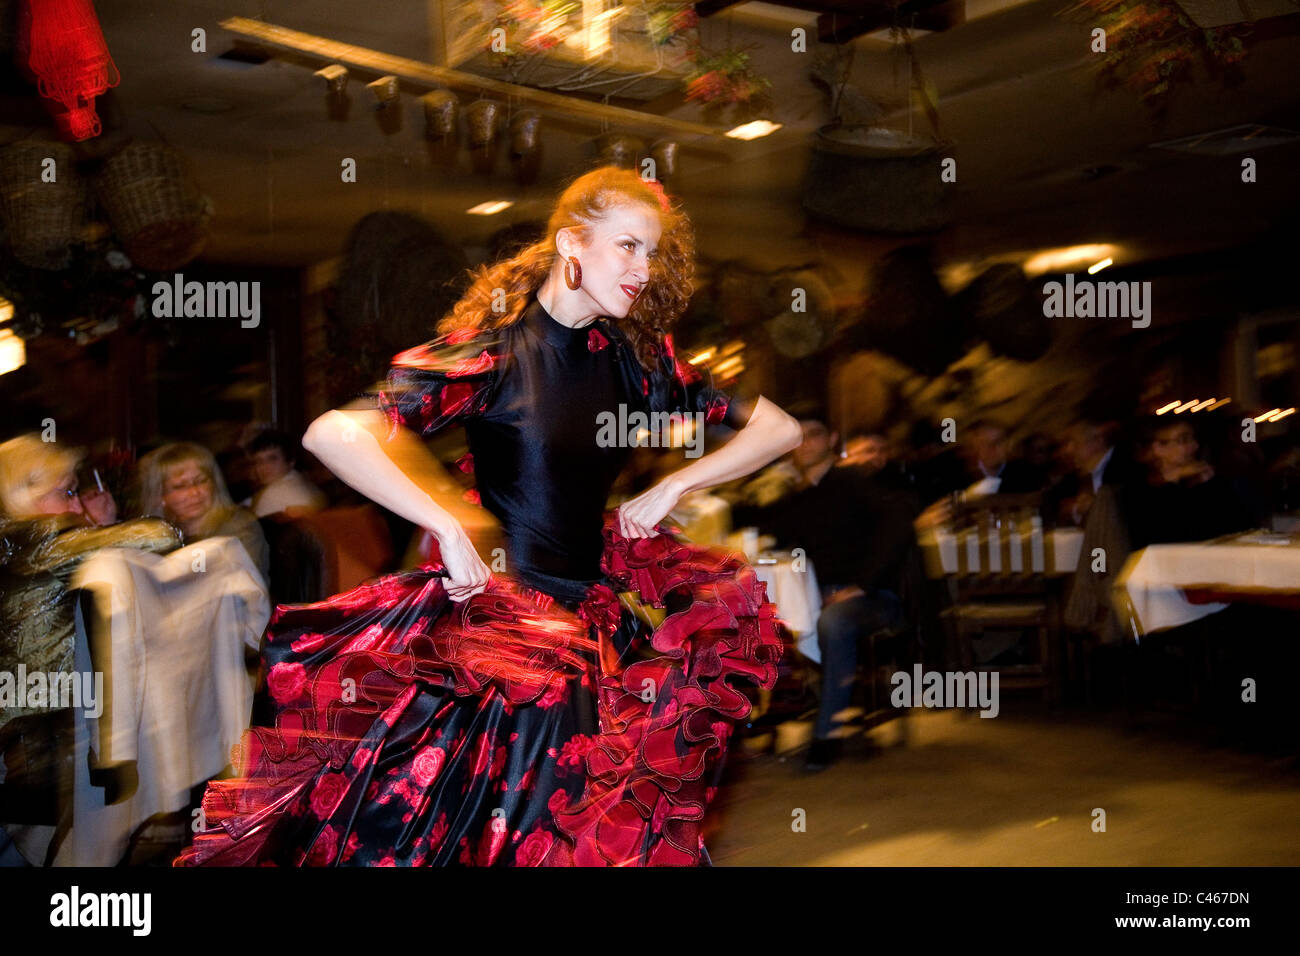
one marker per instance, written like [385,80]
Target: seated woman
[44,537]
[182,483]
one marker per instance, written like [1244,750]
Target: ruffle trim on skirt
[344,671]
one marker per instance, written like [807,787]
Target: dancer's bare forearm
[768,435]
[353,445]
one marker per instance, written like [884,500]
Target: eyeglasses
[198,482]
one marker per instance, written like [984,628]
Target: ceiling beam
[426,75]
[843,20]
[707,8]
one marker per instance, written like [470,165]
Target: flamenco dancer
[449,716]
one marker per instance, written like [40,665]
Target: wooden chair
[1004,583]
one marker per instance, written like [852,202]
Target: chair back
[1001,544]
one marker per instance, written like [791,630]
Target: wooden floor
[1016,790]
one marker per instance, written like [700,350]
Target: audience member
[45,534]
[857,533]
[181,482]
[1181,498]
[282,489]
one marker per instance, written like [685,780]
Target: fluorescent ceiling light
[753,130]
[490,208]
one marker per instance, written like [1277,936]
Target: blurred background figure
[869,451]
[857,532]
[1181,498]
[45,534]
[281,487]
[1092,454]
[989,468]
[182,483]
[802,468]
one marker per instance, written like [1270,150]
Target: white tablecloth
[177,627]
[797,598]
[1154,578]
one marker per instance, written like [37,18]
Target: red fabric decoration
[61,47]
[658,187]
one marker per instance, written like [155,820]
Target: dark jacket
[1174,512]
[855,529]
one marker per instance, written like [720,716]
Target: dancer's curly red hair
[585,201]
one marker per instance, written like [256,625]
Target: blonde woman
[44,537]
[182,483]
[519,715]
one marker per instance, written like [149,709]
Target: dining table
[792,586]
[1168,585]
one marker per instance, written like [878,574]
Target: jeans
[839,628]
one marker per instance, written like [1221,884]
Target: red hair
[586,201]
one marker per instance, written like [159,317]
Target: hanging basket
[42,219]
[877,180]
[155,205]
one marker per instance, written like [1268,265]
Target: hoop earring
[570,279]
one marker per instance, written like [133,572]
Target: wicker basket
[155,205]
[42,219]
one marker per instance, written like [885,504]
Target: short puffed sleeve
[678,386]
[444,381]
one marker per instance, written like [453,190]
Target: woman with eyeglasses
[182,483]
[45,534]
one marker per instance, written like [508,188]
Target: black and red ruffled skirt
[511,729]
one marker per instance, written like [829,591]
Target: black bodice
[529,396]
[538,465]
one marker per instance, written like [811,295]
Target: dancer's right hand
[467,575]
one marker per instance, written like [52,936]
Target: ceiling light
[1167,408]
[1067,257]
[1186,405]
[490,208]
[1267,416]
[754,130]
[13,352]
[1098,266]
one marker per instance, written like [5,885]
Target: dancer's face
[616,259]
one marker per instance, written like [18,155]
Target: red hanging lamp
[61,47]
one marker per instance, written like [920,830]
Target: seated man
[857,532]
[1095,459]
[281,487]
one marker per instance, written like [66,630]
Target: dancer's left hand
[637,518]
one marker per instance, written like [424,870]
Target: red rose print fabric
[507,730]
